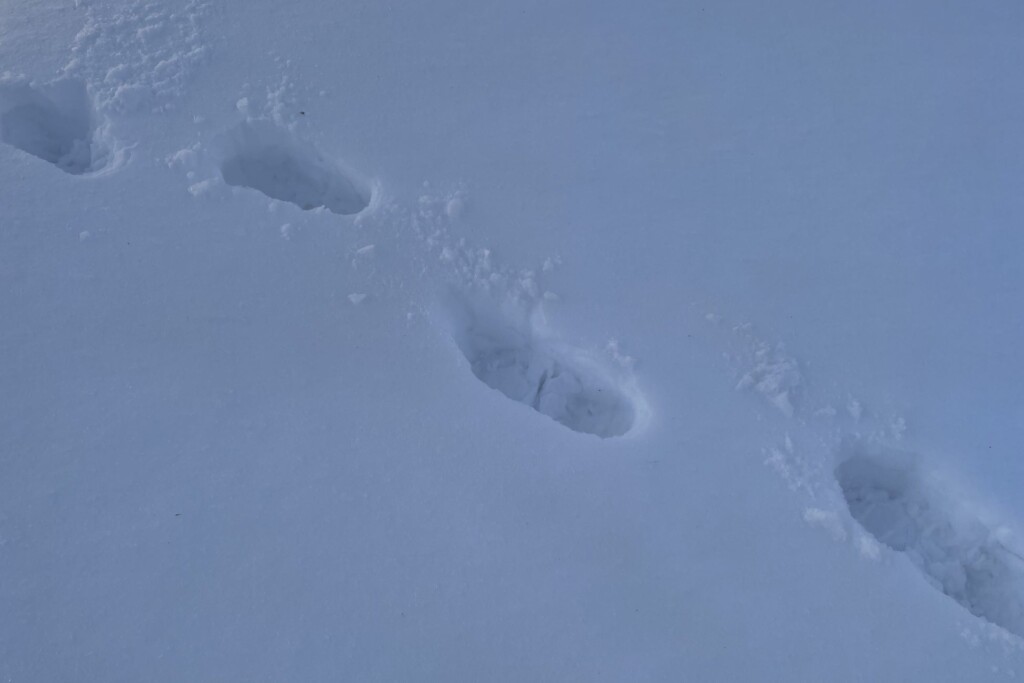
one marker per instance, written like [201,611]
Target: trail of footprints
[887,492]
[59,124]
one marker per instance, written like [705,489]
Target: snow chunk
[455,206]
[203,187]
[827,412]
[183,158]
[829,521]
[869,547]
[774,376]
[854,408]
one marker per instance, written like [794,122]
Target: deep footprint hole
[895,501]
[267,158]
[577,389]
[56,123]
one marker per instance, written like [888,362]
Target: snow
[509,349]
[265,158]
[57,124]
[532,341]
[904,508]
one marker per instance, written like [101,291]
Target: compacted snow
[510,351]
[510,341]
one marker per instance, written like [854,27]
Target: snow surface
[906,510]
[266,158]
[510,341]
[510,351]
[55,123]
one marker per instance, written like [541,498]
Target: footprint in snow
[902,506]
[512,354]
[57,123]
[265,157]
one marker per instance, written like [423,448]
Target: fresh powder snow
[472,341]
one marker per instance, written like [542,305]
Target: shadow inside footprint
[573,387]
[55,123]
[893,499]
[265,157]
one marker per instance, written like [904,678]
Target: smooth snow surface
[511,341]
